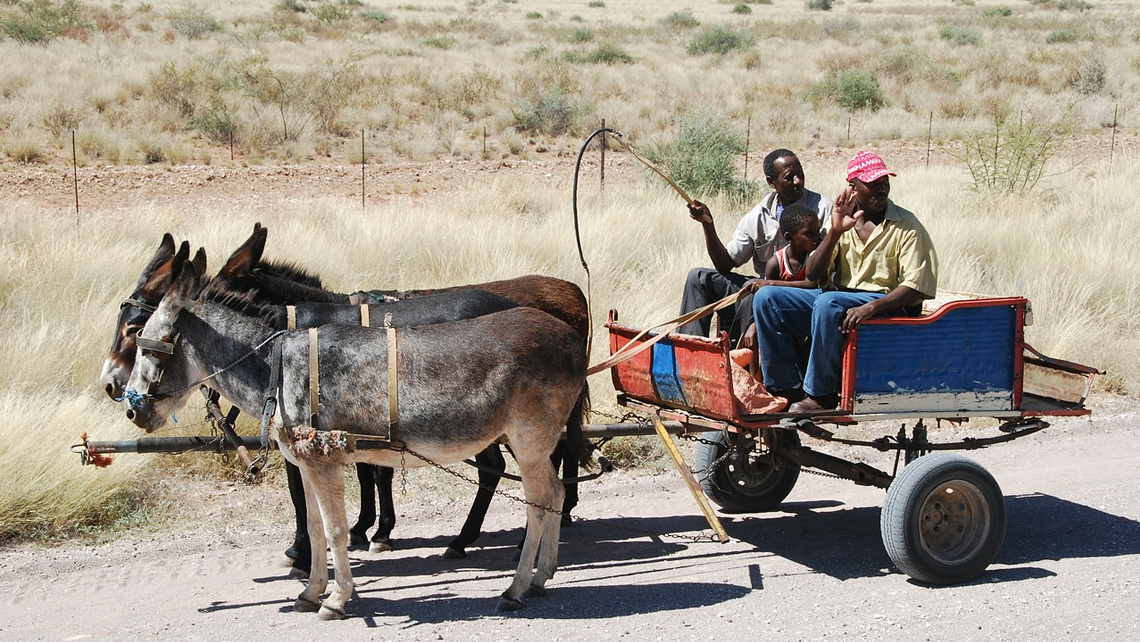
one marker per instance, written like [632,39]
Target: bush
[605,54]
[1089,75]
[742,9]
[596,4]
[375,16]
[854,89]
[702,157]
[193,22]
[554,112]
[718,40]
[819,5]
[681,20]
[41,21]
[581,34]
[998,12]
[1011,157]
[959,35]
[1061,36]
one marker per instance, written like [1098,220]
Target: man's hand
[844,216]
[856,316]
[752,286]
[699,212]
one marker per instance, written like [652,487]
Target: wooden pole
[929,135]
[848,129]
[484,141]
[1112,145]
[362,169]
[747,144]
[75,177]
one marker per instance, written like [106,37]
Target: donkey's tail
[577,443]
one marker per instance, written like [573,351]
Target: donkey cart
[944,518]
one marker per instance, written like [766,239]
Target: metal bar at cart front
[170,445]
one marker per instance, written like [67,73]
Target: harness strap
[365,319]
[271,396]
[155,345]
[142,305]
[314,378]
[393,384]
[290,317]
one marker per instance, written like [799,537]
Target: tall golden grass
[428,78]
[1068,249]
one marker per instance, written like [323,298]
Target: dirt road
[814,570]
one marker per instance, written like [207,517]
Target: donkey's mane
[288,272]
[246,302]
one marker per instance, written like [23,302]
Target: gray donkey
[517,376]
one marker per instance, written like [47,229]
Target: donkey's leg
[382,539]
[299,552]
[310,599]
[542,488]
[565,460]
[491,457]
[358,534]
[328,483]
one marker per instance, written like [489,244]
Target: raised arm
[844,216]
[717,253]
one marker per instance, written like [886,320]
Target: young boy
[801,229]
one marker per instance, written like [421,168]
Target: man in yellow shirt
[881,261]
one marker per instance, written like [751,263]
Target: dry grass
[430,77]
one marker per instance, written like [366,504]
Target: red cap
[867,167]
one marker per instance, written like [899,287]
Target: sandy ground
[816,569]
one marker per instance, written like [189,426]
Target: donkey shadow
[822,536]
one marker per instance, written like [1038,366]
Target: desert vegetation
[297,80]
[1019,99]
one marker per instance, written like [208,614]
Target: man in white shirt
[756,237]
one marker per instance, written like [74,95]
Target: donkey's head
[136,309]
[162,377]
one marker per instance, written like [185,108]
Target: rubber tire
[916,501]
[741,492]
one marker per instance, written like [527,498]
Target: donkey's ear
[187,280]
[162,255]
[156,285]
[199,262]
[243,260]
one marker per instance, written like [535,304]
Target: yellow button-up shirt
[898,252]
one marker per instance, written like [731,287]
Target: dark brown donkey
[517,375]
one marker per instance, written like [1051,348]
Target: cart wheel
[943,520]
[748,484]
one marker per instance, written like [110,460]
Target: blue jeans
[782,313]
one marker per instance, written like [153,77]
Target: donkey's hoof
[507,604]
[298,573]
[381,546]
[453,554]
[535,590]
[330,613]
[357,542]
[301,605]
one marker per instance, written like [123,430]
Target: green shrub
[701,158]
[40,21]
[819,5]
[854,89]
[718,40]
[581,34]
[554,112]
[959,35]
[533,15]
[742,9]
[596,4]
[997,12]
[1061,36]
[375,16]
[681,20]
[193,22]
[295,6]
[216,122]
[439,42]
[605,54]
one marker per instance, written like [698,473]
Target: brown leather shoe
[811,405]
